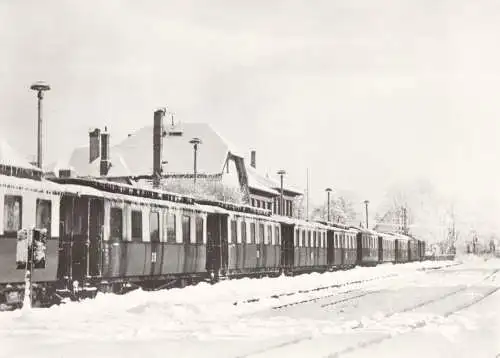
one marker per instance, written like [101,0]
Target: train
[105,236]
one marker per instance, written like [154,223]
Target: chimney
[158,134]
[105,161]
[253,159]
[94,144]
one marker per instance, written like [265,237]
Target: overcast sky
[362,92]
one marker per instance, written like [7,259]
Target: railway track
[316,289]
[432,269]
[388,336]
[421,323]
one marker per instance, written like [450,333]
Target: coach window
[12,214]
[309,238]
[252,233]
[270,239]
[186,229]
[154,227]
[297,236]
[199,229]
[43,214]
[277,238]
[171,234]
[244,232]
[261,234]
[116,224]
[136,225]
[234,231]
[303,238]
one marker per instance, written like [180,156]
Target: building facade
[166,153]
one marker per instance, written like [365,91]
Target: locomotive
[113,237]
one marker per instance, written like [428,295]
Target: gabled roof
[263,183]
[79,162]
[134,155]
[137,150]
[259,182]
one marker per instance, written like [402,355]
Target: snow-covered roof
[10,157]
[259,182]
[30,184]
[134,155]
[79,161]
[300,222]
[265,184]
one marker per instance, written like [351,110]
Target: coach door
[287,246]
[96,224]
[74,236]
[217,251]
[330,254]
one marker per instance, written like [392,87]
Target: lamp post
[195,142]
[281,173]
[328,191]
[366,209]
[40,87]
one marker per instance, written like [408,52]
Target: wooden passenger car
[254,245]
[401,248]
[117,233]
[25,204]
[310,249]
[386,248]
[413,253]
[367,250]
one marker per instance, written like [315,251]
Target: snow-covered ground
[389,310]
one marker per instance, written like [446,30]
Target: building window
[116,224]
[199,229]
[186,229]
[43,215]
[171,232]
[12,213]
[136,225]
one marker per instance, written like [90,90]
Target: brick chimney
[158,134]
[105,160]
[94,144]
[253,160]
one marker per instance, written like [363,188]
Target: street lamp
[40,87]
[366,209]
[328,191]
[195,142]
[281,173]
